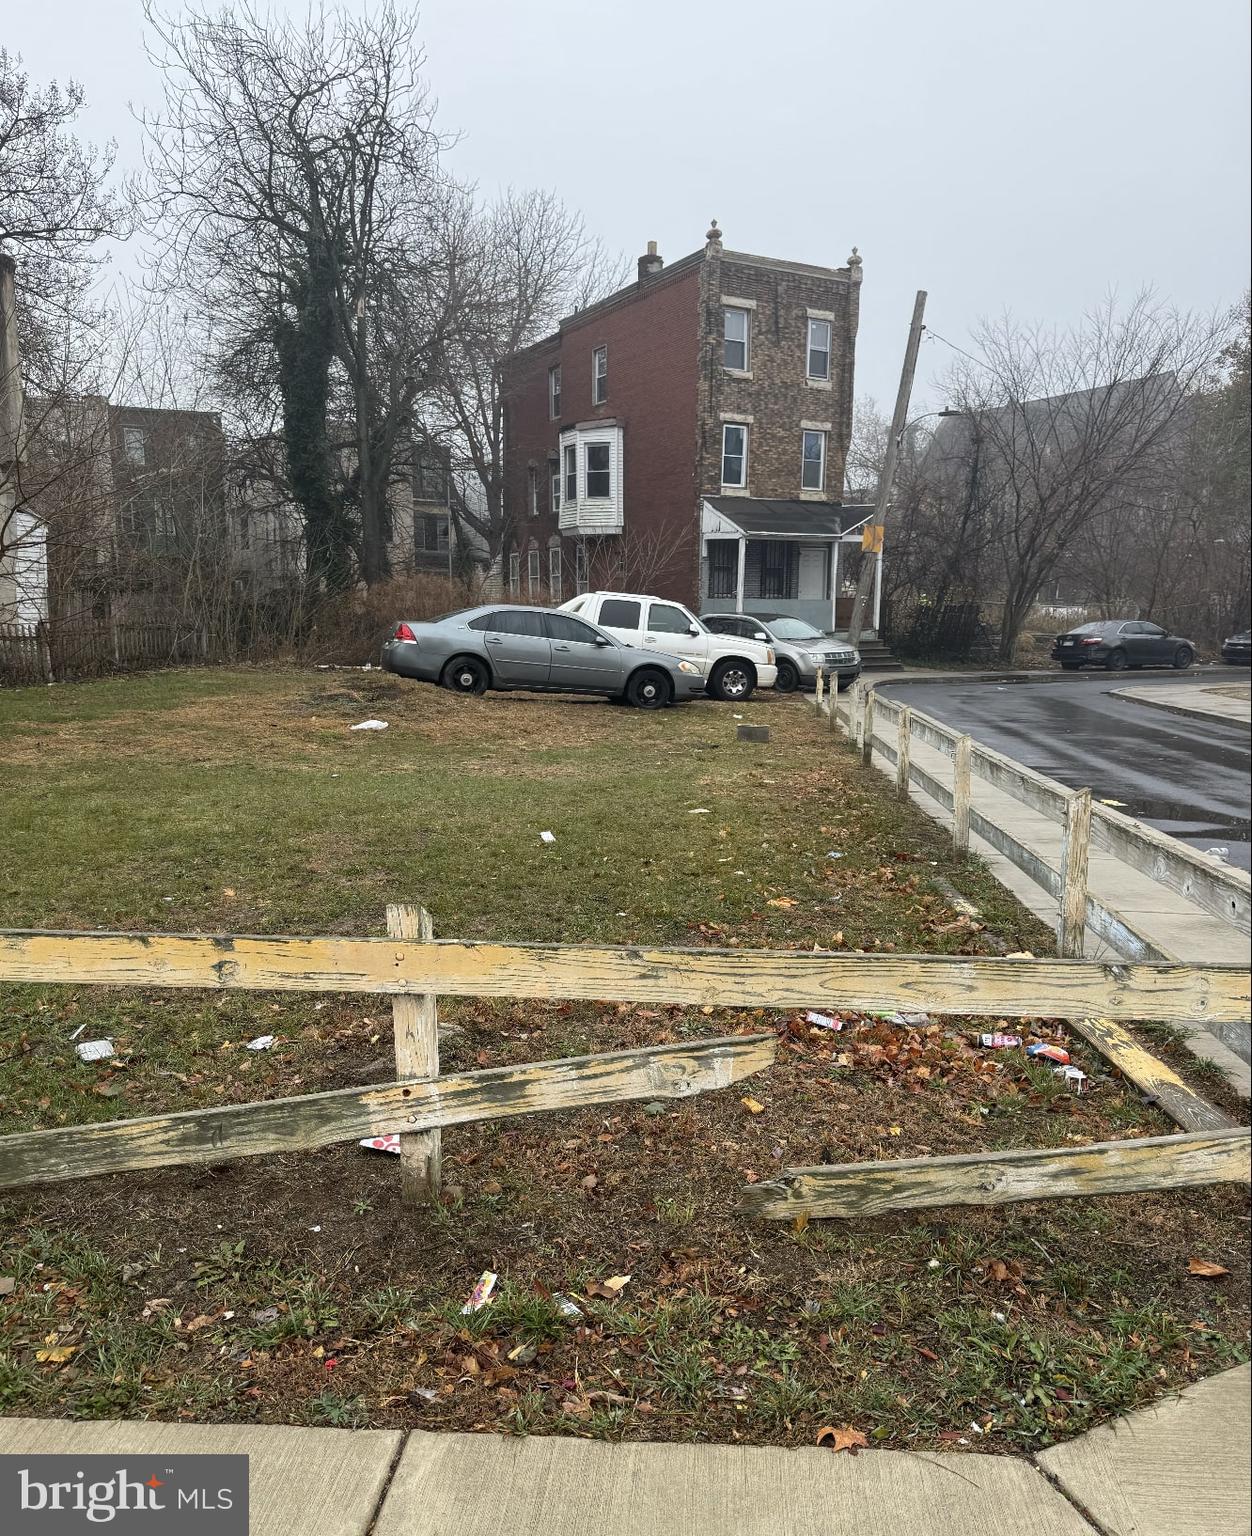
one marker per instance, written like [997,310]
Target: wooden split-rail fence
[414,969]
[1217,890]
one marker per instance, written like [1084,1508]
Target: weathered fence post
[817,691]
[833,722]
[415,1022]
[1075,853]
[960,794]
[904,748]
[867,728]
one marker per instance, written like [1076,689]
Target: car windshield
[793,629]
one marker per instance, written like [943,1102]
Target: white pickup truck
[732,666]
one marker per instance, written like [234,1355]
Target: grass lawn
[299,1289]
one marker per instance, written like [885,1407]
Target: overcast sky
[998,155]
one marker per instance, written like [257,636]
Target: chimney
[650,263]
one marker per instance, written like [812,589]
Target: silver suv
[800,648]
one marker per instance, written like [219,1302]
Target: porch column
[740,574]
[834,585]
[878,584]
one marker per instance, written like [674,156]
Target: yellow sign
[871,537]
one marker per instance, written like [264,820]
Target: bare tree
[521,264]
[297,176]
[1069,427]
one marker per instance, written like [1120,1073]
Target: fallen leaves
[841,1437]
[610,1289]
[1207,1269]
[753,1106]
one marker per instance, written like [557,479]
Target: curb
[1191,711]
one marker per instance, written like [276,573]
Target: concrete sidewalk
[1205,703]
[1178,1469]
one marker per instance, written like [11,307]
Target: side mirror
[692,630]
[761,635]
[602,642]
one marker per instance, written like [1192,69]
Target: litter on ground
[481,1294]
[381,1144]
[94,1050]
[547,837]
[261,1043]
[369,725]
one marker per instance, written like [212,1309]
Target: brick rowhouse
[620,471]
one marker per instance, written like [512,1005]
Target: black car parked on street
[1116,644]
[1237,649]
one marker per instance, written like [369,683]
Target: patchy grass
[298,1289]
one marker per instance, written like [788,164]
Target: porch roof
[757,517]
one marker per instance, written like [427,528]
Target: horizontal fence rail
[952,984]
[346,1114]
[1001,1178]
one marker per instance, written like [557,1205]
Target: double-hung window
[571,473]
[734,455]
[554,391]
[554,488]
[599,475]
[813,461]
[554,574]
[599,376]
[532,490]
[532,573]
[515,575]
[818,364]
[736,343]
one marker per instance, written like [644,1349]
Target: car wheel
[1183,657]
[649,689]
[1115,661]
[732,681]
[788,679]
[466,674]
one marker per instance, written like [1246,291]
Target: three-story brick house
[687,435]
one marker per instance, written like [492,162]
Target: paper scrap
[547,837]
[753,1106]
[381,1144]
[481,1294]
[94,1050]
[823,1020]
[369,725]
[261,1043]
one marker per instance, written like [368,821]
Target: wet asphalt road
[1187,776]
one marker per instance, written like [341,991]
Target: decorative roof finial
[714,233]
[855,259]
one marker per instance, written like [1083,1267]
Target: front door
[581,660]
[519,648]
[669,629]
[1157,644]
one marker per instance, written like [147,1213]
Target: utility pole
[871,538]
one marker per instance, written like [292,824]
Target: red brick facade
[668,391]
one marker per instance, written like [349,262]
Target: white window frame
[608,448]
[532,489]
[534,573]
[823,378]
[554,489]
[569,469]
[554,392]
[599,375]
[742,483]
[515,574]
[554,573]
[821,436]
[135,446]
[746,316]
[580,568]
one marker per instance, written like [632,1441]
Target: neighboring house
[426,535]
[688,435]
[130,496]
[23,537]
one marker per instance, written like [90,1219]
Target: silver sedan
[504,645]
[800,648]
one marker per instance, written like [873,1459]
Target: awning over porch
[756,517]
